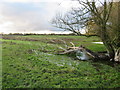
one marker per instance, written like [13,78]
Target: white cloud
[26,1]
[15,19]
[23,1]
[30,17]
[34,1]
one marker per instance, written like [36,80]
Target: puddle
[58,60]
[49,54]
[98,42]
[59,65]
[82,55]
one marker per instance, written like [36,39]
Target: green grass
[0,65]
[30,62]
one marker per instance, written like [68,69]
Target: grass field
[31,62]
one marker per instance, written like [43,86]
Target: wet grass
[30,62]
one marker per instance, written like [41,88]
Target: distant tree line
[21,34]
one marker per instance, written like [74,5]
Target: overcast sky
[31,16]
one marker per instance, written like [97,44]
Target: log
[94,55]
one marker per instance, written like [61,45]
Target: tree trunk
[110,49]
[114,53]
[117,51]
[106,40]
[117,55]
[83,53]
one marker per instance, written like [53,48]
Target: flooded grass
[32,63]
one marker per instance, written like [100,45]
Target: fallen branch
[84,52]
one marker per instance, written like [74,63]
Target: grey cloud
[27,20]
[29,16]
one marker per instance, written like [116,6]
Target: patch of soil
[22,38]
[68,39]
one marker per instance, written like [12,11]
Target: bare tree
[101,18]
[99,12]
[72,21]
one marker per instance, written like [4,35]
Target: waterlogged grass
[32,63]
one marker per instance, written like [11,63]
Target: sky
[31,16]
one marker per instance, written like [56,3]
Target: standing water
[98,42]
[82,55]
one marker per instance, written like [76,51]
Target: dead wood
[88,52]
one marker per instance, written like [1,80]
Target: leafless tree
[99,12]
[101,17]
[72,21]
